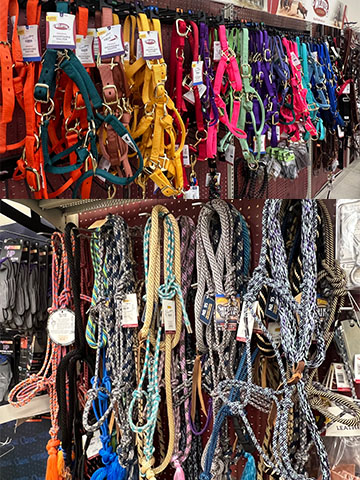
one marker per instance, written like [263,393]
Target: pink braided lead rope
[187,239]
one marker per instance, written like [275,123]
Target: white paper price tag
[186,156]
[339,429]
[275,332]
[230,154]
[262,146]
[341,132]
[217,51]
[29,42]
[357,368]
[94,446]
[60,30]
[127,51]
[193,193]
[85,48]
[104,164]
[129,308]
[139,53]
[342,384]
[296,62]
[169,315]
[246,317]
[150,45]
[110,38]
[315,56]
[96,46]
[61,327]
[346,90]
[197,72]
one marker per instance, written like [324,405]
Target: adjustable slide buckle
[245,70]
[114,102]
[47,88]
[37,177]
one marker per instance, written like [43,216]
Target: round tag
[61,327]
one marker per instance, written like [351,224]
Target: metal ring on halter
[50,109]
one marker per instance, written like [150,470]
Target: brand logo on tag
[115,37]
[61,26]
[150,41]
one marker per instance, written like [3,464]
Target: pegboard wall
[136,215]
[280,188]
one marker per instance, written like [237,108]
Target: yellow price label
[50,18]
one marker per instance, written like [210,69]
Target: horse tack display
[212,360]
[120,113]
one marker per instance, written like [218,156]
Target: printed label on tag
[150,45]
[60,30]
[342,384]
[127,51]
[246,318]
[61,327]
[169,315]
[315,56]
[30,42]
[110,41]
[338,429]
[104,164]
[230,154]
[197,72]
[139,52]
[85,48]
[193,193]
[296,62]
[346,90]
[341,132]
[207,310]
[96,46]
[95,445]
[278,133]
[129,309]
[275,332]
[186,156]
[322,305]
[190,97]
[208,178]
[217,51]
[357,368]
[227,311]
[262,146]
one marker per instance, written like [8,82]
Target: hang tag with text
[95,445]
[262,145]
[61,327]
[315,56]
[127,51]
[60,30]
[197,72]
[341,133]
[193,193]
[150,45]
[186,156]
[30,42]
[230,154]
[190,96]
[357,368]
[207,310]
[275,331]
[246,318]
[295,60]
[169,315]
[96,47]
[342,384]
[85,48]
[216,51]
[104,164]
[227,312]
[346,90]
[129,309]
[139,52]
[271,309]
[110,41]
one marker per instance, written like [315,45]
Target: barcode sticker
[169,315]
[129,308]
[357,368]
[342,384]
[247,319]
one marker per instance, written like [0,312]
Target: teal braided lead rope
[90,333]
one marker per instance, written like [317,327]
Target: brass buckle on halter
[37,177]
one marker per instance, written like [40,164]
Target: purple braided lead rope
[187,247]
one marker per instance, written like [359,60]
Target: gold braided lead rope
[149,327]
